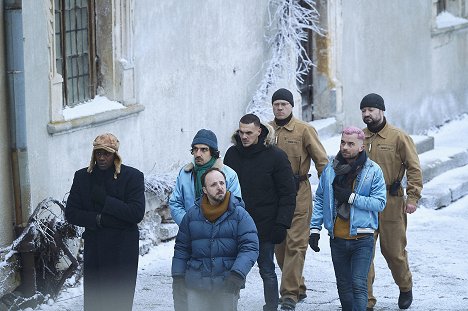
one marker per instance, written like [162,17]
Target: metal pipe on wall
[13,15]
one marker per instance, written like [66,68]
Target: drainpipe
[13,15]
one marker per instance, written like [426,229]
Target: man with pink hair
[350,194]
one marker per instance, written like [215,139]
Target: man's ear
[204,190]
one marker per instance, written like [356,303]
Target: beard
[219,198]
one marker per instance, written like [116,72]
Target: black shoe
[405,299]
[288,304]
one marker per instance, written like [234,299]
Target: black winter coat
[266,180]
[111,252]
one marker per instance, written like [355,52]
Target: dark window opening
[441,6]
[75,49]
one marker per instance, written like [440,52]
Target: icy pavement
[436,243]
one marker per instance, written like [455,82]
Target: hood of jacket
[268,133]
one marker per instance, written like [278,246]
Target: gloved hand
[98,194]
[278,234]
[341,194]
[179,293]
[313,241]
[234,282]
[109,221]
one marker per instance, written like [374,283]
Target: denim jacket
[370,198]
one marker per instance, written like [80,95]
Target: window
[457,8]
[441,6]
[75,49]
[79,33]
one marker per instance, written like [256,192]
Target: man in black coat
[268,190]
[108,200]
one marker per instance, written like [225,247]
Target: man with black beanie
[395,152]
[301,143]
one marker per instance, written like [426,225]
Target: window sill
[448,29]
[68,126]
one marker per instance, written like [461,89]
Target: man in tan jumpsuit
[301,143]
[395,152]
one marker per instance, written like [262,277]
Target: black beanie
[283,94]
[373,100]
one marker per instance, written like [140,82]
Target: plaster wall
[387,50]
[391,48]
[197,66]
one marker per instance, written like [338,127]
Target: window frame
[114,48]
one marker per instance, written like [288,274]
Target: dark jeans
[266,265]
[351,260]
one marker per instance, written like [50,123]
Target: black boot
[405,299]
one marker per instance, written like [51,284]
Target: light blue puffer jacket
[370,199]
[183,195]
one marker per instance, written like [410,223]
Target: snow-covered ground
[436,243]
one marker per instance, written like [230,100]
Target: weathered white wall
[387,48]
[197,66]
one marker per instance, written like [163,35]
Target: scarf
[346,174]
[198,171]
[284,121]
[212,212]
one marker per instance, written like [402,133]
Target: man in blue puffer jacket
[215,249]
[349,196]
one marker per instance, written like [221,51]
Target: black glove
[98,193]
[109,221]
[313,241]
[341,194]
[179,293]
[234,282]
[278,234]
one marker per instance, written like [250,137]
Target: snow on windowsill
[448,22]
[94,112]
[91,107]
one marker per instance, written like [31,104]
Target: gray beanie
[206,137]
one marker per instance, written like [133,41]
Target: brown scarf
[214,212]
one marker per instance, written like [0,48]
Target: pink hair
[350,130]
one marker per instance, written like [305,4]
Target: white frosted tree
[288,61]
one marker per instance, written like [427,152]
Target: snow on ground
[436,240]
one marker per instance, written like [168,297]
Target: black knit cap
[373,100]
[283,94]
